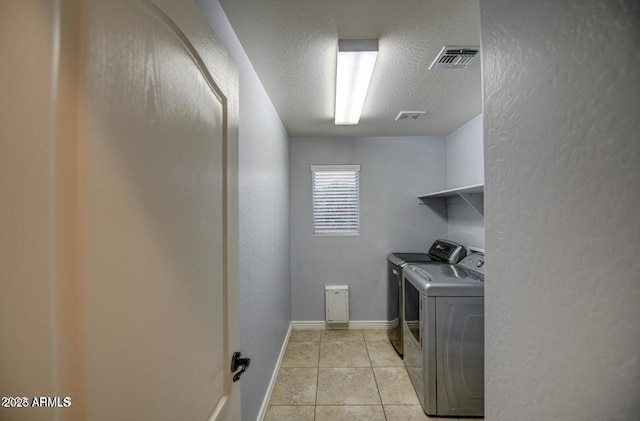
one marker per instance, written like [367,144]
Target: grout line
[375,380]
[315,406]
[366,347]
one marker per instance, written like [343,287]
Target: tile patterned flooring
[345,375]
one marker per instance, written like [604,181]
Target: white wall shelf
[473,195]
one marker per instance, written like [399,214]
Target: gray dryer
[443,335]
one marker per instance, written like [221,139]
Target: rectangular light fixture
[356,59]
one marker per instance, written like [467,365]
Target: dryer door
[413,357]
[394,306]
[460,355]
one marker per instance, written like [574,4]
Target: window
[336,199]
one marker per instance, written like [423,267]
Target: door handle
[239,363]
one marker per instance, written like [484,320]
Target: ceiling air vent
[454,57]
[409,115]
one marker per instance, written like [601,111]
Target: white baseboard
[274,377]
[354,324]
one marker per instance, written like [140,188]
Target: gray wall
[265,289]
[465,154]
[562,220]
[465,224]
[394,172]
[465,166]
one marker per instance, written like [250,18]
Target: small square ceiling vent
[454,57]
[409,115]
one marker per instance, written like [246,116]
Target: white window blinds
[336,199]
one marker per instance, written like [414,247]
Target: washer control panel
[474,262]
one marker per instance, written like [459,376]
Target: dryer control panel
[447,251]
[474,262]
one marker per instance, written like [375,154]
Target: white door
[119,213]
[158,193]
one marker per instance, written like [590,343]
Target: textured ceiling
[292,46]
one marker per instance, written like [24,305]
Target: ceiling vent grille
[409,115]
[454,57]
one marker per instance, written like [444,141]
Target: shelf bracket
[475,200]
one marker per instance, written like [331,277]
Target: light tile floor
[345,375]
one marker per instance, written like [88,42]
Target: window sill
[336,234]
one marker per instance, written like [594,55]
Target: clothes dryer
[443,335]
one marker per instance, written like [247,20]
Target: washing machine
[441,251]
[443,335]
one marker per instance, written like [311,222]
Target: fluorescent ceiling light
[356,59]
